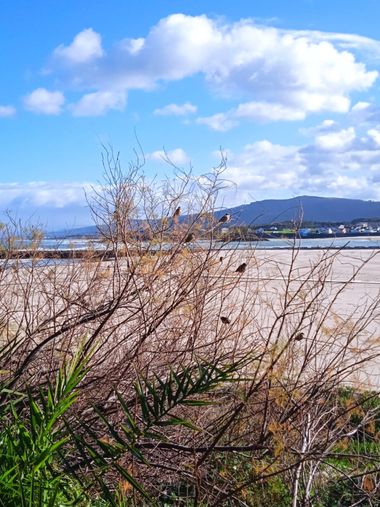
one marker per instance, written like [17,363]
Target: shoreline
[108,255]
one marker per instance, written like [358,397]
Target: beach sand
[259,291]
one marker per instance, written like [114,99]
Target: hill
[77,232]
[310,208]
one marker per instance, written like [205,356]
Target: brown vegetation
[284,353]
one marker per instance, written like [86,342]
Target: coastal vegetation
[156,374]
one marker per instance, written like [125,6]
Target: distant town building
[342,229]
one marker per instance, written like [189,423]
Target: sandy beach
[257,295]
[348,289]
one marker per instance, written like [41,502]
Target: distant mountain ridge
[310,208]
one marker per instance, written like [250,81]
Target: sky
[289,91]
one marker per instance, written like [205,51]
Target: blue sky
[290,91]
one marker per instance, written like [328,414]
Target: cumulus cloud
[86,47]
[336,140]
[176,110]
[365,112]
[267,111]
[348,41]
[330,165]
[42,101]
[274,74]
[177,156]
[7,111]
[43,193]
[221,122]
[326,126]
[375,135]
[50,204]
[99,103]
[255,111]
[361,106]
[263,166]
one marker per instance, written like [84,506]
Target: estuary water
[315,243]
[320,243]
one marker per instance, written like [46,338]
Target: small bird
[298,337]
[225,218]
[189,238]
[241,268]
[177,212]
[225,320]
[221,259]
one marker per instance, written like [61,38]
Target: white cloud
[177,156]
[361,106]
[336,140]
[42,101]
[331,166]
[259,111]
[99,103]
[221,122]
[274,74]
[265,166]
[365,112]
[52,205]
[328,123]
[42,193]
[176,110]
[86,46]
[267,111]
[375,135]
[348,41]
[325,127]
[7,111]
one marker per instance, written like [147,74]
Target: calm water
[365,242]
[315,243]
[83,244]
[68,244]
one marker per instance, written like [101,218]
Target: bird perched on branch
[298,337]
[177,212]
[241,268]
[225,218]
[225,320]
[189,238]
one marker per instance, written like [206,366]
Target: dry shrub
[163,296]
